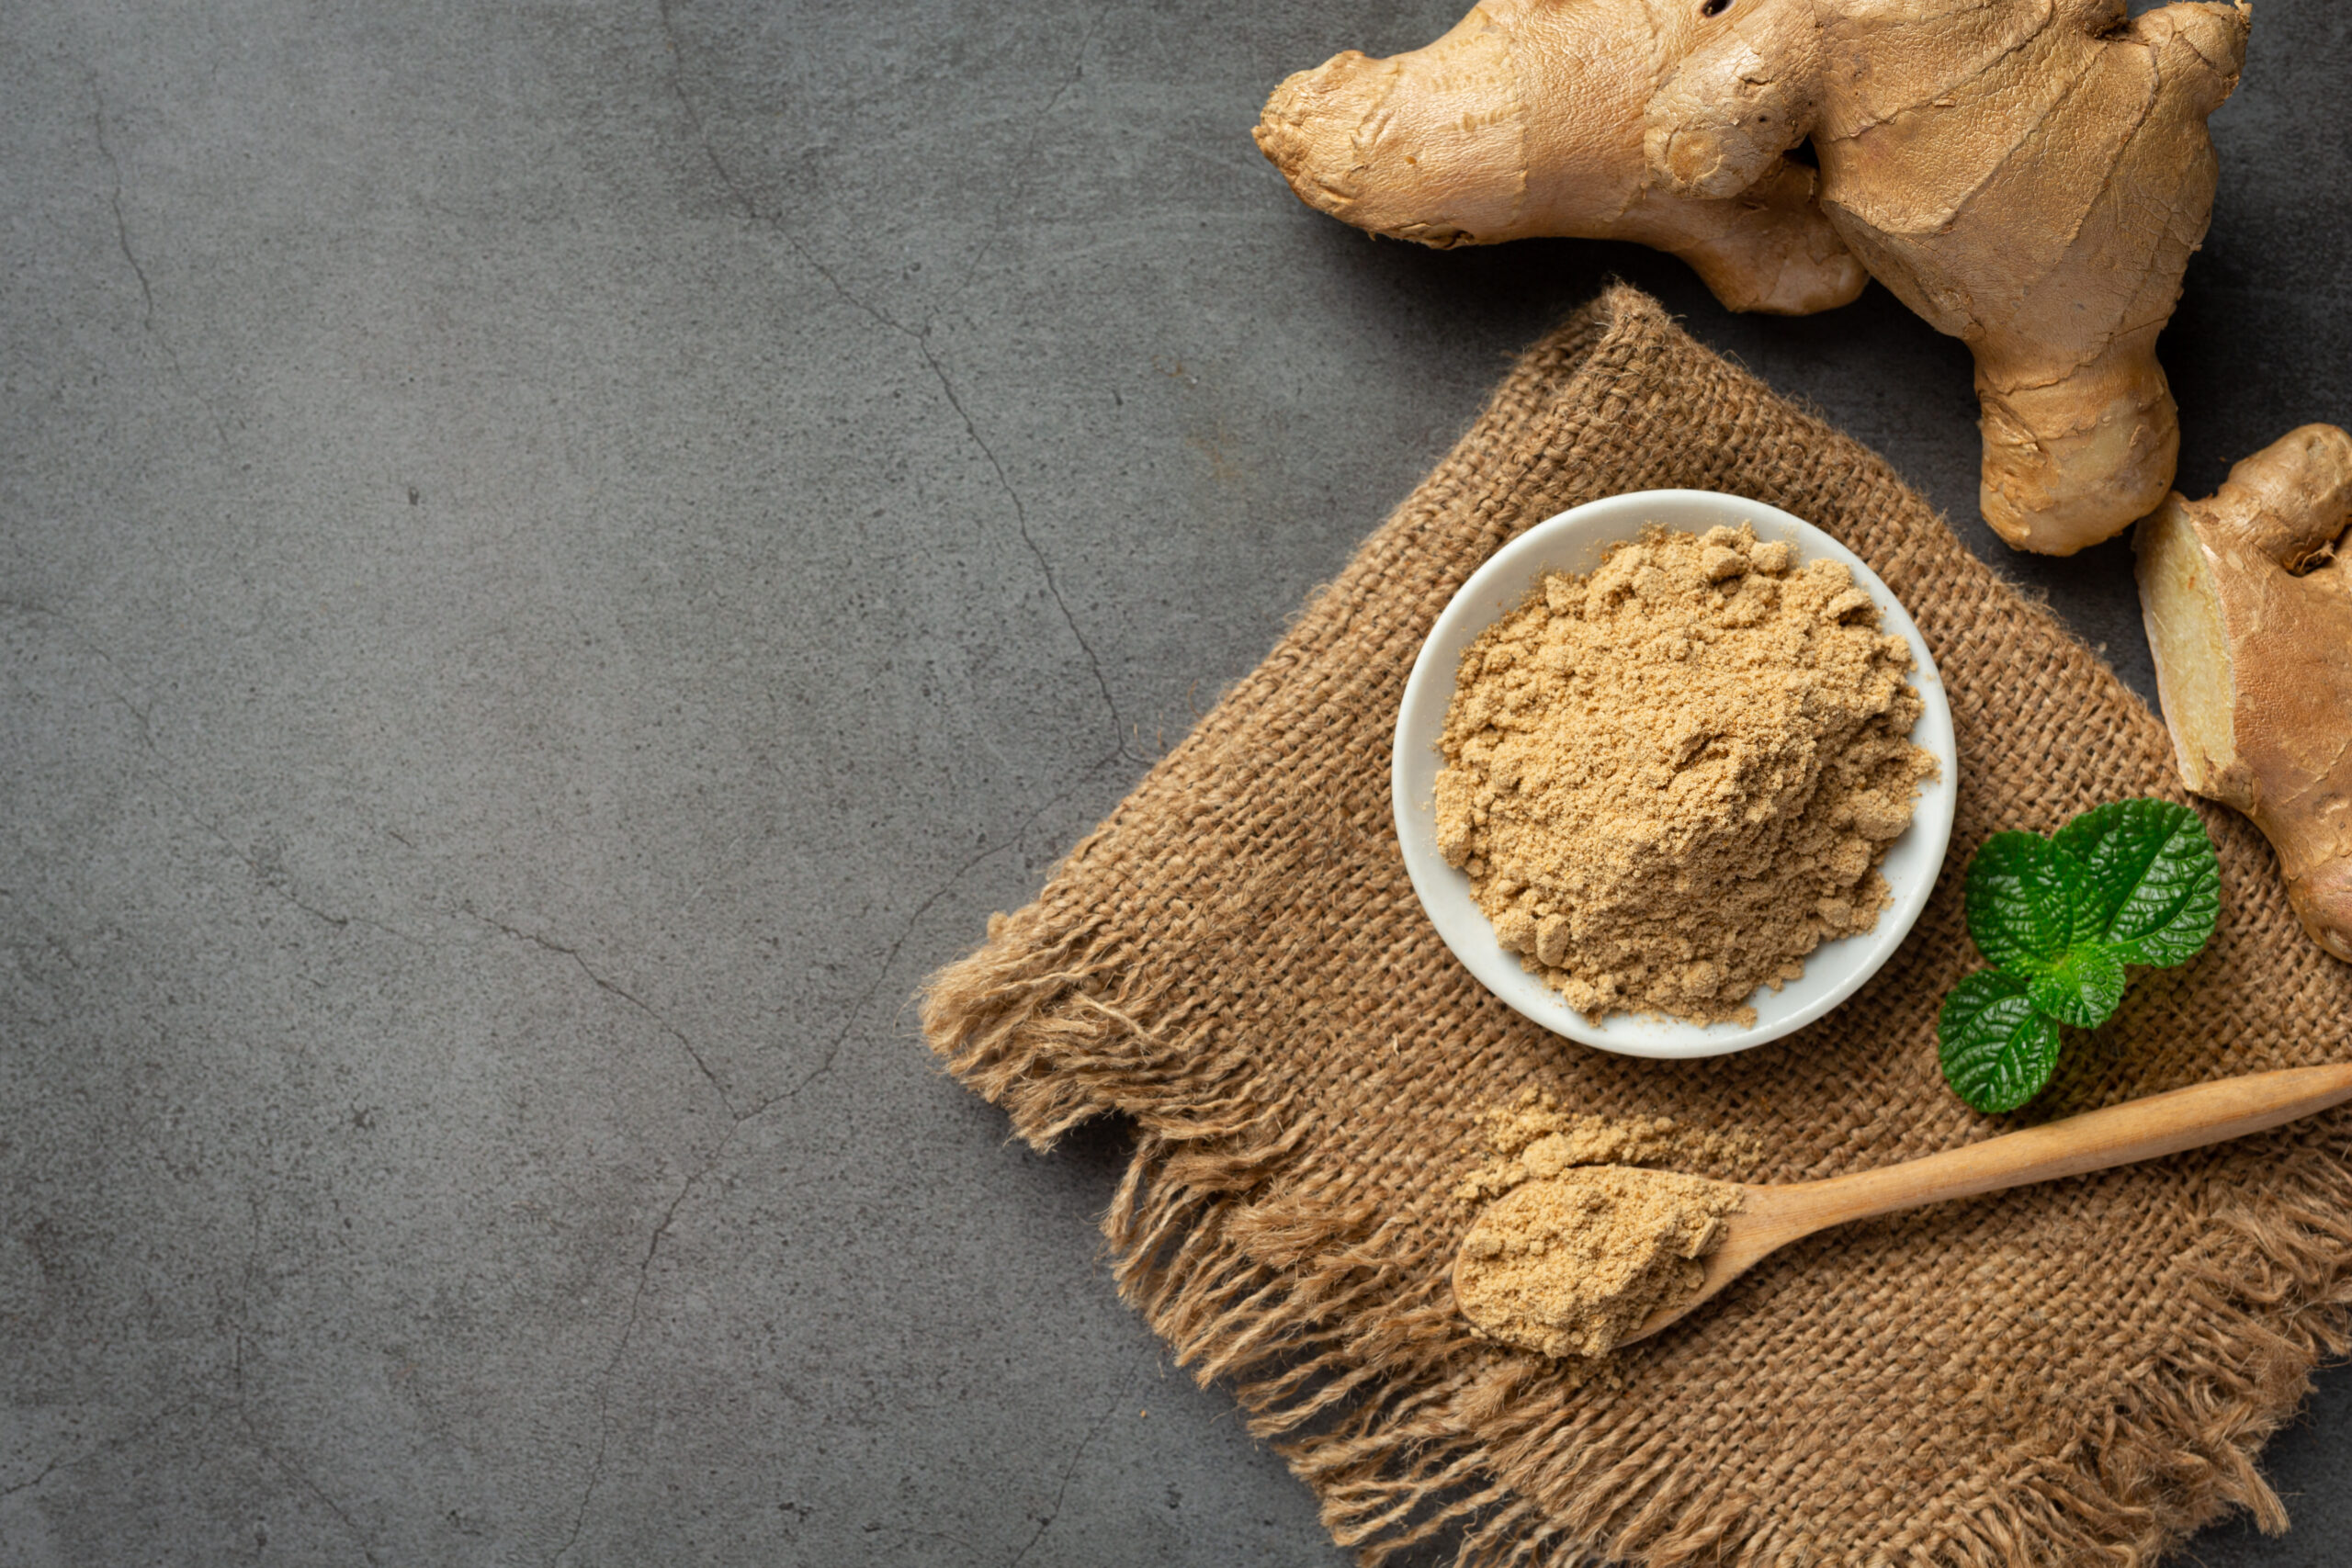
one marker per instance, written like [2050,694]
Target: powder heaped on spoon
[1572,1264]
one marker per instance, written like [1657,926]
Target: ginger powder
[1671,779]
[1573,1264]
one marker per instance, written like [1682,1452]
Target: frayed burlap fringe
[2077,1373]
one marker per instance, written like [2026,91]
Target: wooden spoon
[1771,1217]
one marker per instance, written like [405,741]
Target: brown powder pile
[1672,779]
[1533,1138]
[1599,1267]
[1572,1264]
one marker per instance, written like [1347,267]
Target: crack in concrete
[1069,1470]
[146,289]
[269,879]
[28,1485]
[687,1188]
[1028,153]
[919,337]
[293,1471]
[244,1406]
[1021,523]
[628,1331]
[652,1250]
[890,954]
[148,1424]
[122,225]
[549,944]
[743,198]
[971,427]
[275,881]
[146,724]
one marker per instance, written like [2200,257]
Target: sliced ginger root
[2247,598]
[2029,176]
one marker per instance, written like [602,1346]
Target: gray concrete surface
[559,558]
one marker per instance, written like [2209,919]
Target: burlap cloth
[2076,1372]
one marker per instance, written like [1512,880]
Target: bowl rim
[1574,540]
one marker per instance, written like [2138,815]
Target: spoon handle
[2135,1130]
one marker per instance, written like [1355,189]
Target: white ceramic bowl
[1575,541]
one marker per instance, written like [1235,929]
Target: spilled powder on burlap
[1672,778]
[1234,965]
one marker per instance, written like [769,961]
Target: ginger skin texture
[2247,599]
[2029,176]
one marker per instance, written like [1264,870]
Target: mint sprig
[2132,882]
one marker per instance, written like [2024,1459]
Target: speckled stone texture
[557,558]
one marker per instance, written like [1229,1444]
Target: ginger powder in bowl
[1673,774]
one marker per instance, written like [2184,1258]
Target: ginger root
[2249,605]
[1526,120]
[2029,176]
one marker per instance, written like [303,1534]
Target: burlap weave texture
[2076,1372]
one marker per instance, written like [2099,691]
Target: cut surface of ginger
[2182,608]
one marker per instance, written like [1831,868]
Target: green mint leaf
[2021,901]
[2152,888]
[1998,1051]
[2083,988]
